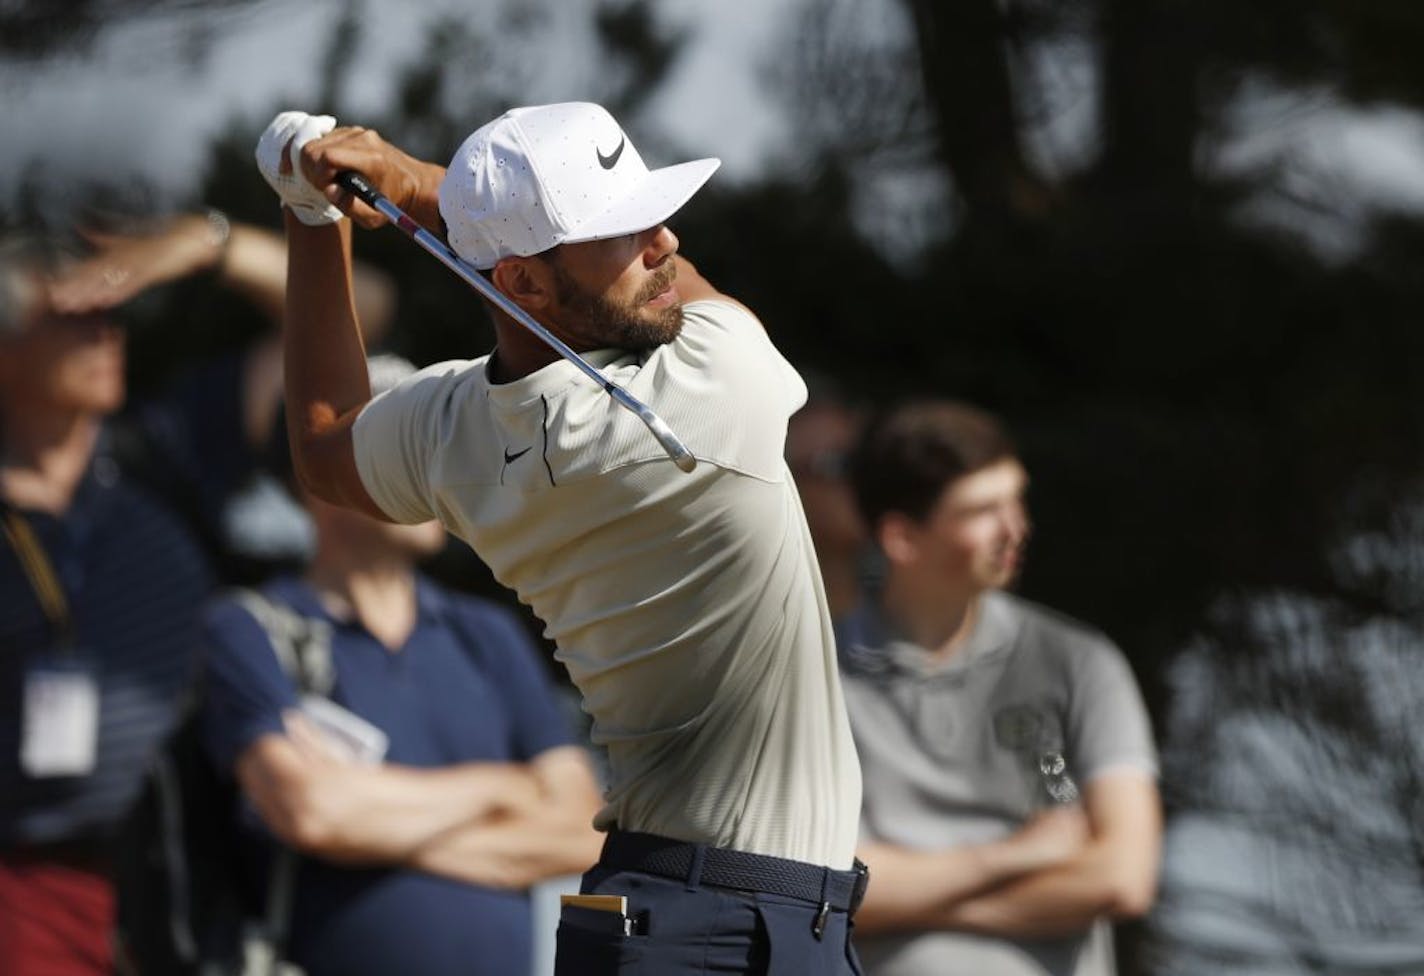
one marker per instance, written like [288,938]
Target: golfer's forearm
[513,852]
[324,359]
[423,201]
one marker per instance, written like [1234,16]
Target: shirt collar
[869,643]
[431,604]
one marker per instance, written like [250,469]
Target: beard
[609,323]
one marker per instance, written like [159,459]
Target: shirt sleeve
[397,439]
[733,350]
[1109,726]
[245,690]
[724,389]
[538,720]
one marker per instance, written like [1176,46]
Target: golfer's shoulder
[464,374]
[438,387]
[720,322]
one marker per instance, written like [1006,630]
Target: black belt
[723,868]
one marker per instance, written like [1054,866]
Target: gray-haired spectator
[102,570]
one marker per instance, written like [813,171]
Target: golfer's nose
[662,244]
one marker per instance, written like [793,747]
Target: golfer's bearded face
[619,293]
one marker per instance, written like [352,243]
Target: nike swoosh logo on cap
[611,160]
[515,456]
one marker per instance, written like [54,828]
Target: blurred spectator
[99,584]
[101,572]
[977,715]
[205,441]
[819,438]
[418,860]
[1295,760]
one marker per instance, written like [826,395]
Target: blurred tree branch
[32,29]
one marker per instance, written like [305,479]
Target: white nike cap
[555,174]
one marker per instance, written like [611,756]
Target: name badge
[60,732]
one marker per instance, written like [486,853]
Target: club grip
[357,184]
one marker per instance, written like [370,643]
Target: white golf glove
[297,129]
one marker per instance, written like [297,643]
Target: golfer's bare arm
[695,288]
[1113,876]
[324,364]
[324,357]
[255,266]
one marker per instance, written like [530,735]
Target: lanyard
[39,571]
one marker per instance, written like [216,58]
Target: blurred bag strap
[302,645]
[39,573]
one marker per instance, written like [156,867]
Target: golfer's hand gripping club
[358,185]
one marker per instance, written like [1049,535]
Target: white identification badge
[61,720]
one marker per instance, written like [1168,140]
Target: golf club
[358,185]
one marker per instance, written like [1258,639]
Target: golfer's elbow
[314,470]
[324,462]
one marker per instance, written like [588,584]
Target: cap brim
[657,197]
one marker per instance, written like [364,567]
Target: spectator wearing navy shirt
[419,863]
[103,565]
[99,582]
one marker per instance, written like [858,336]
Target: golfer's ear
[529,283]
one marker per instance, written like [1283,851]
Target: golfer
[687,607]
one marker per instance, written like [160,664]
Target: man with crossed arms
[686,606]
[979,716]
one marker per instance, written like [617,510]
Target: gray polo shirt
[966,750]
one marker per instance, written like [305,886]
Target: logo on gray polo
[1036,739]
[611,160]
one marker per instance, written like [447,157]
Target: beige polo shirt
[688,608]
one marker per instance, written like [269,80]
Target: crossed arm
[1056,876]
[504,825]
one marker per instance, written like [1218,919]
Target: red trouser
[55,920]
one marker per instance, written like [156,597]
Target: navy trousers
[680,926]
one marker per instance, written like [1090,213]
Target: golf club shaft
[358,184]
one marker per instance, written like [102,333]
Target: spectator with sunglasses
[102,567]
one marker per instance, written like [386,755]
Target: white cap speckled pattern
[555,174]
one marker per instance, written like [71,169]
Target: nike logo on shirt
[515,456]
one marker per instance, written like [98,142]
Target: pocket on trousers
[794,949]
[586,945]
